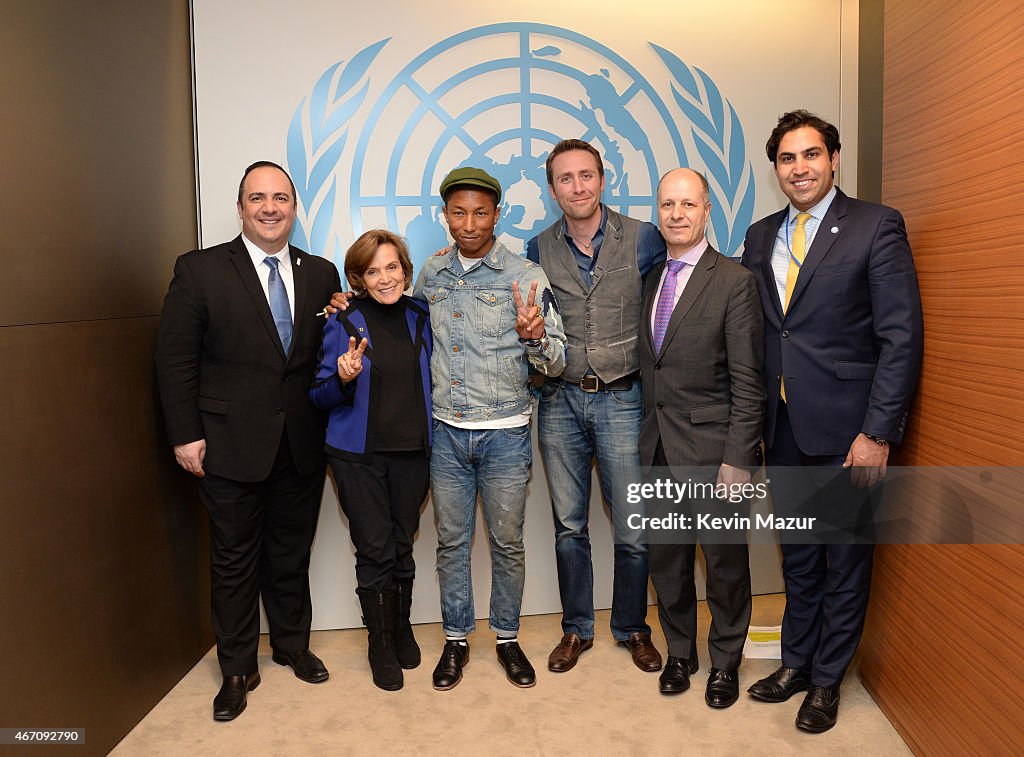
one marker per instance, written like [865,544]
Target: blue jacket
[353,407]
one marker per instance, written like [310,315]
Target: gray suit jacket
[704,392]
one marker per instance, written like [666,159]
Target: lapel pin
[298,261]
[835,229]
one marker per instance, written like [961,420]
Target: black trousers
[260,537]
[828,584]
[382,501]
[728,594]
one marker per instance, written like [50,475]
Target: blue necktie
[279,306]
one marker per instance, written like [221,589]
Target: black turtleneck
[398,427]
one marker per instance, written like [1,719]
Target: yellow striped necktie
[797,253]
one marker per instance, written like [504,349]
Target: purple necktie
[666,302]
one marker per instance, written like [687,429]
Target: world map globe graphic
[499,97]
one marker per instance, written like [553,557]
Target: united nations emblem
[499,97]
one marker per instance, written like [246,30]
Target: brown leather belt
[591,383]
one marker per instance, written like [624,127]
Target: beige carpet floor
[605,706]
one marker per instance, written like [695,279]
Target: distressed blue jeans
[574,427]
[494,463]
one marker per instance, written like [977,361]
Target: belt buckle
[590,384]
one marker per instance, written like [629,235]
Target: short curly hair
[360,255]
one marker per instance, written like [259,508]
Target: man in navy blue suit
[843,343]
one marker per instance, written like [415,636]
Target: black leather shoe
[723,688]
[781,685]
[230,700]
[448,673]
[518,669]
[645,655]
[820,709]
[675,678]
[307,666]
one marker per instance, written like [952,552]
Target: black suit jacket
[703,393]
[850,344]
[222,370]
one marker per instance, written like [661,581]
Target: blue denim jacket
[479,368]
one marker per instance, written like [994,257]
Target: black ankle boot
[406,649]
[378,617]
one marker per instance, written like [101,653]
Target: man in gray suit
[701,350]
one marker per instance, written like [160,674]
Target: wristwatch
[877,440]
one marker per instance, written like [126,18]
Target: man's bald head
[676,173]
[684,206]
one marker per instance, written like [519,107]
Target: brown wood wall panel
[941,651]
[103,546]
[97,135]
[105,586]
[941,654]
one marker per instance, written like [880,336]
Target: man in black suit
[701,348]
[237,347]
[843,343]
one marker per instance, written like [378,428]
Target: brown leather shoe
[645,655]
[564,656]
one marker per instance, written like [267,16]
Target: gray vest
[602,325]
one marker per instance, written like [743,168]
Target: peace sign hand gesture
[350,364]
[529,316]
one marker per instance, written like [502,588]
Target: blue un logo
[499,97]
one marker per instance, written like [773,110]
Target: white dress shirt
[284,268]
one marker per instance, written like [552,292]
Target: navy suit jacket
[223,372]
[850,344]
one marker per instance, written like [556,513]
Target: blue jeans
[574,427]
[496,464]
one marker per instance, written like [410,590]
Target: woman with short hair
[374,379]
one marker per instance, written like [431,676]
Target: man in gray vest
[595,260]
